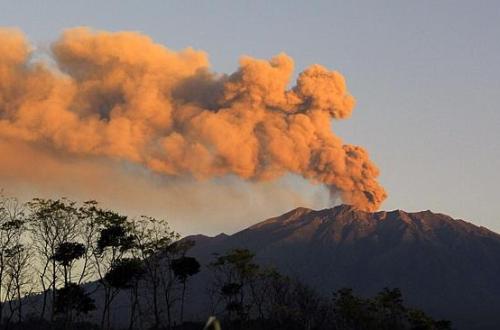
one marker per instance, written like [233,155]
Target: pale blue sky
[426,75]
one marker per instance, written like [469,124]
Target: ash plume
[121,96]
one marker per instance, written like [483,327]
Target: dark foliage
[124,273]
[115,236]
[72,297]
[66,252]
[185,267]
[385,311]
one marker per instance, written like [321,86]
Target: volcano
[450,268]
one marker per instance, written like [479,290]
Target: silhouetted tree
[72,298]
[385,311]
[391,313]
[91,222]
[183,268]
[11,230]
[114,241]
[66,253]
[125,274]
[171,252]
[351,312]
[19,276]
[52,222]
[418,320]
[233,273]
[293,305]
[156,245]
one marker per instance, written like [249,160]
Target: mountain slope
[448,267]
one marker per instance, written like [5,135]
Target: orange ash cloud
[121,96]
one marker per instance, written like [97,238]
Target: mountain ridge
[419,221]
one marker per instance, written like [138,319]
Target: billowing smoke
[121,96]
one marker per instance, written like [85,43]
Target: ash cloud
[120,96]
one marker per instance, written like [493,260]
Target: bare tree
[18,273]
[90,223]
[154,240]
[11,219]
[52,222]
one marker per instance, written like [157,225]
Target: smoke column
[121,96]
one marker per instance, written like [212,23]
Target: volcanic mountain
[449,268]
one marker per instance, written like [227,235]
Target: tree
[125,273]
[418,320]
[65,254]
[183,268]
[19,278]
[391,311]
[115,240]
[52,222]
[156,245]
[72,297]
[351,312]
[384,311]
[88,234]
[233,273]
[11,230]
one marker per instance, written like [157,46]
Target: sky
[426,77]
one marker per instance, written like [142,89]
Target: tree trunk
[155,304]
[54,278]
[104,310]
[133,301]
[182,301]
[44,304]
[20,302]
[45,292]
[65,276]
[169,307]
